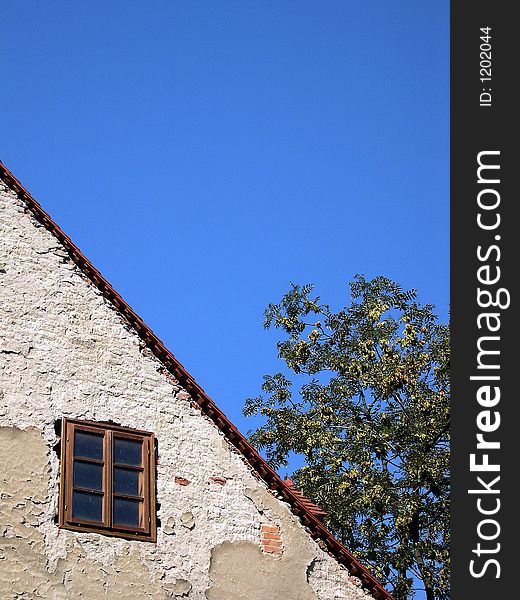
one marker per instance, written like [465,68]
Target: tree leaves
[371,420]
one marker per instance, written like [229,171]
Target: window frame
[146,496]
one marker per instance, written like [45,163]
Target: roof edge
[316,529]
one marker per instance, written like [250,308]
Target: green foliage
[371,420]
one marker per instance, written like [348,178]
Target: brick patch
[218,480]
[182,481]
[270,539]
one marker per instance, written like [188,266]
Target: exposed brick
[270,529]
[182,480]
[270,536]
[270,539]
[271,542]
[218,480]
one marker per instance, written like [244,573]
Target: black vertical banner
[485,254]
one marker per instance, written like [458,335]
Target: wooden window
[107,480]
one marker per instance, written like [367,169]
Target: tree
[371,420]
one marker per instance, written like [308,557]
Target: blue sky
[205,154]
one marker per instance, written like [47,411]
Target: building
[120,477]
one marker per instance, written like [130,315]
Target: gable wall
[64,351]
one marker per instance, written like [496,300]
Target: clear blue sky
[205,154]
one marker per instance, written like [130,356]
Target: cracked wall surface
[65,351]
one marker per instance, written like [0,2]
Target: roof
[309,514]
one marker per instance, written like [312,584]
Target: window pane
[126,512]
[88,475]
[87,506]
[88,445]
[126,481]
[128,452]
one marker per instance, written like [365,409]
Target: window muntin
[107,482]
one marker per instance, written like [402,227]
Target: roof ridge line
[315,527]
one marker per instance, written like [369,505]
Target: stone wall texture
[65,351]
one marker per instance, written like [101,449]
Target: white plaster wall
[64,351]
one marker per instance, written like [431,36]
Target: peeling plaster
[240,571]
